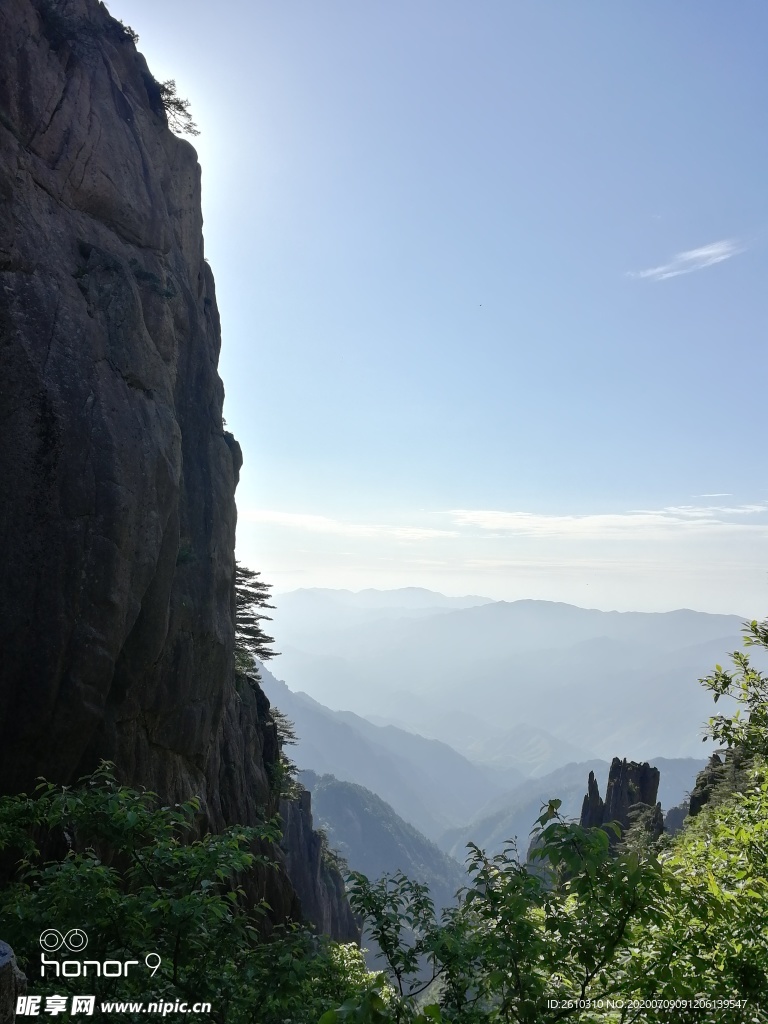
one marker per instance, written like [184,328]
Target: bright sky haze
[492,281]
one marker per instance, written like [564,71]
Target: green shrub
[113,862]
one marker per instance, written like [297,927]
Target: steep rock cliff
[316,880]
[118,531]
[117,514]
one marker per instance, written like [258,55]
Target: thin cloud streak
[323,524]
[691,260]
[634,524]
[707,511]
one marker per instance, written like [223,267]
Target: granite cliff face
[317,881]
[118,532]
[117,516]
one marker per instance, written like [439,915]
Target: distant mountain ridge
[428,783]
[604,682]
[317,615]
[513,814]
[446,797]
[503,753]
[404,597]
[373,839]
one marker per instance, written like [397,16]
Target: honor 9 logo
[75,941]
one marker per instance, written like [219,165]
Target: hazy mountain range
[513,814]
[528,684]
[460,717]
[432,788]
[427,782]
[373,839]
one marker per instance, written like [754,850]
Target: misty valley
[524,729]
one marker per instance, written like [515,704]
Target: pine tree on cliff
[250,639]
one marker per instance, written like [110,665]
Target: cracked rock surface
[12,984]
[117,512]
[114,455]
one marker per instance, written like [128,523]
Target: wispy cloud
[691,260]
[323,524]
[633,524]
[711,511]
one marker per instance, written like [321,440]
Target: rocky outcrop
[725,771]
[117,512]
[12,984]
[675,818]
[593,806]
[632,786]
[315,878]
[706,781]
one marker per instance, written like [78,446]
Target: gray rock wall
[117,512]
[318,884]
[117,531]
[12,984]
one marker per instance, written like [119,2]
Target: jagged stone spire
[631,786]
[592,808]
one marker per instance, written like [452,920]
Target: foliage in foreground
[110,861]
[648,932]
[656,932]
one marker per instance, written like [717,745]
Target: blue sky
[492,286]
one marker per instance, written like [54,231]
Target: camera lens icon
[75,940]
[51,940]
